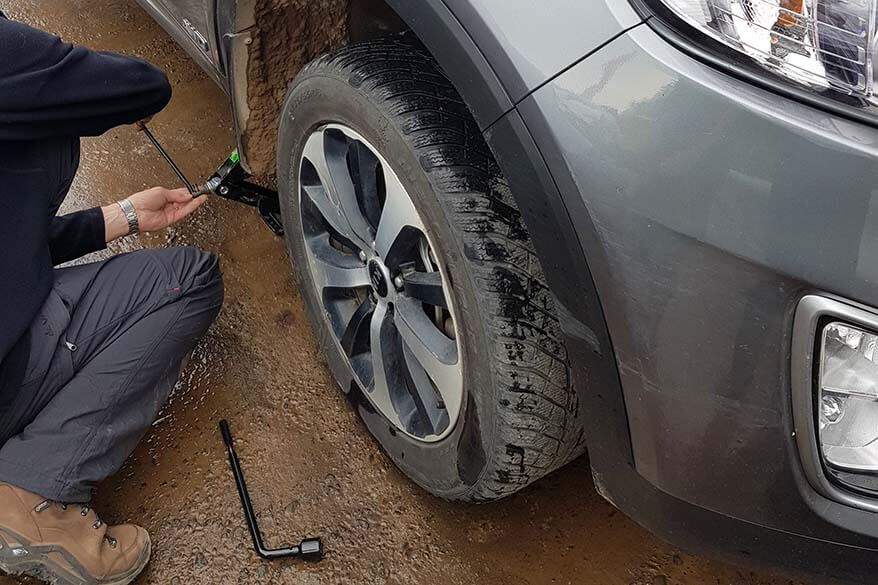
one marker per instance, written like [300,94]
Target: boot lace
[83,511]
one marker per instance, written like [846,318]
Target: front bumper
[708,208]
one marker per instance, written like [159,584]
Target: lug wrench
[310,549]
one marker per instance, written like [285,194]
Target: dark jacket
[51,93]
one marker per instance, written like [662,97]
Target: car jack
[229,181]
[310,549]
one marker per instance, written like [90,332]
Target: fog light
[848,399]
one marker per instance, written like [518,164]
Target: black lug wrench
[310,549]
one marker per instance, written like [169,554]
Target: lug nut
[362,256]
[398,281]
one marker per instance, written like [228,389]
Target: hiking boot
[66,544]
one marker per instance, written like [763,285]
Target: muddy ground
[311,466]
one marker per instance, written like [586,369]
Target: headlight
[847,408]
[819,43]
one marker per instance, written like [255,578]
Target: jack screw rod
[310,549]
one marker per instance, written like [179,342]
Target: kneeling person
[90,353]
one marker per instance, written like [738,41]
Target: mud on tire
[520,417]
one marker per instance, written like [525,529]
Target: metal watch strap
[130,215]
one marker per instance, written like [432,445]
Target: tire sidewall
[452,467]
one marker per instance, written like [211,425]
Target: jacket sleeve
[76,234]
[50,88]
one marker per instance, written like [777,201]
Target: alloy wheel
[383,291]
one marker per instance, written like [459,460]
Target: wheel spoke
[336,147]
[319,189]
[433,351]
[335,197]
[426,287]
[383,361]
[353,338]
[364,170]
[429,406]
[398,213]
[334,269]
[339,277]
[318,196]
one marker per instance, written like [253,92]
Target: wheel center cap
[376,276]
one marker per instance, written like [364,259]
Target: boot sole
[43,563]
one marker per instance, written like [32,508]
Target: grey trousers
[98,363]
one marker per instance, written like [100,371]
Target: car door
[192,23]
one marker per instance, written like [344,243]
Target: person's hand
[140,124]
[156,208]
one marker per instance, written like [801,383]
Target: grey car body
[681,210]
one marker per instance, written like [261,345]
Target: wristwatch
[130,215]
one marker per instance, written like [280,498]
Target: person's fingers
[181,195]
[198,201]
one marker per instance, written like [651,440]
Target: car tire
[518,417]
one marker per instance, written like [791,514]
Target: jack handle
[168,159]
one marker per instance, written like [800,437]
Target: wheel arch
[561,249]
